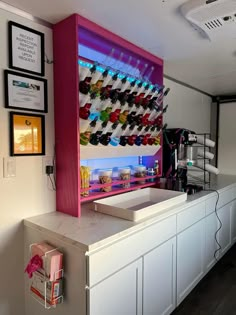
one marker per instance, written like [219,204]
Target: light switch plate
[9,167]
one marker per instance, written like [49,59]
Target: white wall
[227,139]
[187,108]
[27,194]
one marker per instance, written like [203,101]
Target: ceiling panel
[158,27]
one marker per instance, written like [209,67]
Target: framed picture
[25,92]
[26,49]
[27,134]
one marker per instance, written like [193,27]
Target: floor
[216,293]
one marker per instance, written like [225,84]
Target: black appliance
[178,153]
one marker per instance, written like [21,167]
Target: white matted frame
[26,49]
[25,92]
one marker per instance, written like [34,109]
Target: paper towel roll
[210,168]
[205,154]
[207,142]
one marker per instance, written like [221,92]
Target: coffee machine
[179,152]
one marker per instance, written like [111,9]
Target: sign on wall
[26,49]
[25,92]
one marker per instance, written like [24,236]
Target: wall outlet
[9,167]
[47,161]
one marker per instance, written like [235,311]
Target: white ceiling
[157,26]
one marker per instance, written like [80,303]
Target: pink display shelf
[115,181]
[67,37]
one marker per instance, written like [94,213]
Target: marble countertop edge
[94,231]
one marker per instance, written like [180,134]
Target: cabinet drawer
[189,216]
[107,261]
[226,197]
[211,204]
[234,192]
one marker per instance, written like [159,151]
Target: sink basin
[139,204]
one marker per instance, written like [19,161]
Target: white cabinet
[146,272]
[224,234]
[233,222]
[190,258]
[211,224]
[159,279]
[121,293]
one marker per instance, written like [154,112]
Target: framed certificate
[27,134]
[26,49]
[25,92]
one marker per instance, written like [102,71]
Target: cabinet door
[159,279]
[224,234]
[211,245]
[121,293]
[190,258]
[233,222]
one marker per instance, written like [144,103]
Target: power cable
[219,228]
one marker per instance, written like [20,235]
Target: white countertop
[94,230]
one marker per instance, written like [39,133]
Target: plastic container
[85,179]
[156,167]
[191,153]
[124,174]
[151,172]
[105,177]
[140,171]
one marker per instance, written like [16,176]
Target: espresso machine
[179,152]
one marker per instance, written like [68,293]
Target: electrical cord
[52,183]
[219,228]
[54,167]
[50,171]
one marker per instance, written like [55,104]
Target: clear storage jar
[85,179]
[105,177]
[124,174]
[140,171]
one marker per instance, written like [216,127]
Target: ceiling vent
[214,19]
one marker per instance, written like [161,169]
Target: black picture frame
[25,92]
[23,49]
[27,134]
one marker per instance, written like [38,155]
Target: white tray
[139,204]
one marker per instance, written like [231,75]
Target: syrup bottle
[154,138]
[85,136]
[105,114]
[106,135]
[118,137]
[97,132]
[146,135]
[84,69]
[115,136]
[84,88]
[123,116]
[162,96]
[125,134]
[140,135]
[133,135]
[84,111]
